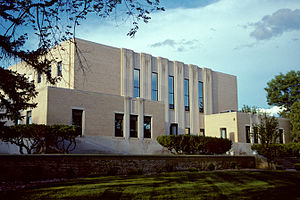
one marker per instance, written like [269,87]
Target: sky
[254,40]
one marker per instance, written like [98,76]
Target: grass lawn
[180,185]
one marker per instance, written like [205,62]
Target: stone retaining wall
[44,167]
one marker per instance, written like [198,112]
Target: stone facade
[100,82]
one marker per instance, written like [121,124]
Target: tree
[50,22]
[249,109]
[294,117]
[268,133]
[284,90]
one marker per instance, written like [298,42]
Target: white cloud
[273,111]
[281,21]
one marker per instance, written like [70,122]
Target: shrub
[297,166]
[192,144]
[39,138]
[277,150]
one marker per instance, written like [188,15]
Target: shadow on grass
[180,185]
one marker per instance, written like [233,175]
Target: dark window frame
[139,84]
[221,131]
[133,132]
[59,69]
[173,125]
[255,135]
[281,132]
[200,98]
[119,133]
[248,136]
[155,90]
[29,117]
[74,123]
[147,133]
[171,93]
[39,77]
[186,95]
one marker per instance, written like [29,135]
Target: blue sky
[252,39]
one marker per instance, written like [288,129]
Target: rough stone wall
[43,167]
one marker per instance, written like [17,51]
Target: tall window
[281,136]
[77,119]
[59,69]
[202,132]
[147,127]
[248,134]
[136,83]
[154,87]
[39,78]
[173,129]
[200,88]
[223,133]
[187,131]
[133,125]
[255,134]
[119,125]
[28,117]
[50,70]
[171,92]
[186,95]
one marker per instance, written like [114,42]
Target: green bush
[297,166]
[193,144]
[277,150]
[39,138]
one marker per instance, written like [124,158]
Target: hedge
[39,138]
[278,150]
[193,144]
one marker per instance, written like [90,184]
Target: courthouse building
[124,100]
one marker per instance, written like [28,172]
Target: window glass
[28,117]
[133,125]
[186,95]
[154,87]
[147,127]
[248,134]
[171,92]
[187,131]
[223,133]
[255,134]
[59,69]
[281,136]
[200,88]
[202,132]
[39,78]
[119,125]
[173,129]
[77,119]
[136,83]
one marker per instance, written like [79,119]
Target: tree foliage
[284,90]
[193,144]
[50,22]
[38,138]
[294,116]
[250,109]
[268,133]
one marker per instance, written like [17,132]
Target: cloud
[180,46]
[283,20]
[273,111]
[250,45]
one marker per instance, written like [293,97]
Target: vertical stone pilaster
[141,113]
[207,90]
[127,111]
[179,96]
[145,75]
[194,99]
[163,86]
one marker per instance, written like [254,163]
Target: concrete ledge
[45,167]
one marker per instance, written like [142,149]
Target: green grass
[181,185]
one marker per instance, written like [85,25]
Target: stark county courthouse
[124,100]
